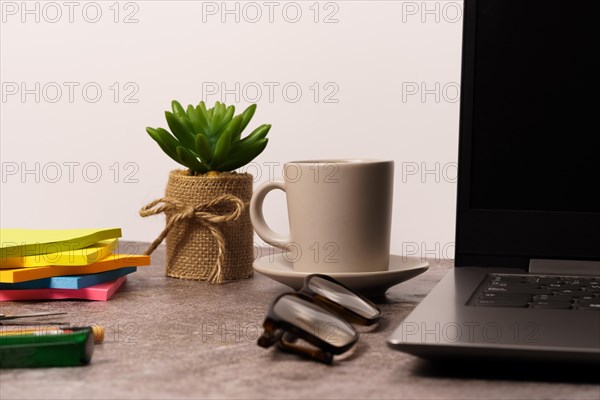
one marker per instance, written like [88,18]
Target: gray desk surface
[169,338]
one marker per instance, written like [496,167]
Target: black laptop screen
[536,141]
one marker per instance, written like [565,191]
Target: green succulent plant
[207,140]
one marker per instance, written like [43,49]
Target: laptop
[526,282]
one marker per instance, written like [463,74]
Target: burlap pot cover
[208,229]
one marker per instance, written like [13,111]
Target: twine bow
[209,214]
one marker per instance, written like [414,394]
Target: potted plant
[208,229]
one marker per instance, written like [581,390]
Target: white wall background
[387,74]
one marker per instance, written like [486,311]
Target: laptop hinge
[564,267]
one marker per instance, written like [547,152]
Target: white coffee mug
[339,212]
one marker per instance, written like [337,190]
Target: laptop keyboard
[538,291]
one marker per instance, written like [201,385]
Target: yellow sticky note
[85,256]
[30,242]
[113,261]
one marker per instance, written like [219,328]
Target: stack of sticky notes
[63,264]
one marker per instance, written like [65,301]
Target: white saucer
[373,284]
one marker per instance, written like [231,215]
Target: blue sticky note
[70,282]
[36,284]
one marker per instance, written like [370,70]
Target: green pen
[72,347]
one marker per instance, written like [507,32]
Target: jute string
[209,214]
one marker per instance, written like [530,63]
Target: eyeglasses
[320,314]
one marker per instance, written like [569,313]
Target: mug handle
[258,219]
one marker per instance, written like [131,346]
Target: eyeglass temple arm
[315,353]
[270,335]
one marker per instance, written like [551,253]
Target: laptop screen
[536,91]
[529,154]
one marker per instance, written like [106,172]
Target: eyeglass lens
[342,296]
[315,320]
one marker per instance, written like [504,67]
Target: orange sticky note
[108,263]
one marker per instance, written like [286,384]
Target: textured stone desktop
[169,338]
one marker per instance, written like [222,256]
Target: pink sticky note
[101,292]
